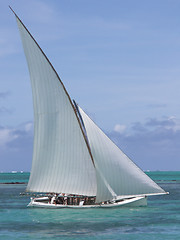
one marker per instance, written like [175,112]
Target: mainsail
[116,174]
[61,159]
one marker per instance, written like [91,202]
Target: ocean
[159,220]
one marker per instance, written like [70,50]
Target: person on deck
[53,199]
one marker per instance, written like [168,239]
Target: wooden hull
[133,202]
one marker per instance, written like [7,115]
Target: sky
[118,59]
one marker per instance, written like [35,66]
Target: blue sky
[118,59]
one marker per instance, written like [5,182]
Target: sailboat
[75,165]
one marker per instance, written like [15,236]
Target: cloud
[119,128]
[6,136]
[170,123]
[153,144]
[16,145]
[9,137]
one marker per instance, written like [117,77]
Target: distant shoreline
[14,183]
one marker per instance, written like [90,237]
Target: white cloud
[152,145]
[16,146]
[168,123]
[119,128]
[12,135]
[6,136]
[176,121]
[28,127]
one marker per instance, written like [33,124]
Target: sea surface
[159,220]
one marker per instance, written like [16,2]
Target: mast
[83,129]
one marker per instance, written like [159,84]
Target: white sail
[61,159]
[117,175]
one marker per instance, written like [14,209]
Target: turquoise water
[159,220]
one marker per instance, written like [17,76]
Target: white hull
[133,202]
